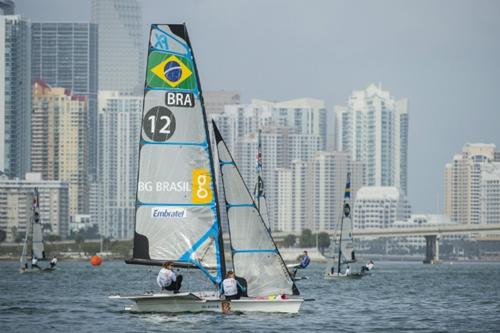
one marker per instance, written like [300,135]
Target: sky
[444,56]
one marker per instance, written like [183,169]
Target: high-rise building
[304,116]
[119,128]
[7,7]
[216,100]
[464,180]
[16,199]
[60,142]
[15,96]
[379,207]
[328,172]
[373,129]
[490,193]
[121,44]
[65,55]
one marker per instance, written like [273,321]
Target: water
[463,297]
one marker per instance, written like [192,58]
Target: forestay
[254,253]
[177,217]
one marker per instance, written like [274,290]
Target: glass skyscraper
[121,44]
[15,96]
[65,55]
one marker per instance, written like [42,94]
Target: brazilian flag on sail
[170,71]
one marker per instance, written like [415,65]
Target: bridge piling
[431,249]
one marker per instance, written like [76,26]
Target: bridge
[431,233]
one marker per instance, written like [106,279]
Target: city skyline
[447,69]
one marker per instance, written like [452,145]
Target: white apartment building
[465,197]
[328,172]
[379,207]
[16,205]
[119,127]
[489,196]
[373,128]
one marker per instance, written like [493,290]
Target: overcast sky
[443,55]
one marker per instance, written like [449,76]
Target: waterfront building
[119,127]
[489,196]
[379,207]
[328,172]
[65,55]
[15,95]
[373,128]
[464,183]
[216,100]
[16,201]
[60,142]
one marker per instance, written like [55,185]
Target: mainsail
[177,216]
[346,250]
[33,241]
[259,191]
[255,255]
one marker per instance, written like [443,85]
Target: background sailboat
[33,246]
[345,255]
[177,208]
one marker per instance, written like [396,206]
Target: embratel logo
[168,212]
[169,71]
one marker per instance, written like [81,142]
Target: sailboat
[177,210]
[259,191]
[339,269]
[33,241]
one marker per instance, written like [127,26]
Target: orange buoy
[95,260]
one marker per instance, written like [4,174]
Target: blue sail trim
[254,251]
[186,257]
[195,91]
[222,163]
[239,205]
[199,144]
[210,204]
[185,45]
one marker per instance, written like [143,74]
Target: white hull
[336,276]
[209,302]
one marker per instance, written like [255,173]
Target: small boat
[339,267]
[33,242]
[177,215]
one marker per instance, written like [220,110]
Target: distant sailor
[303,263]
[348,271]
[368,267]
[53,262]
[167,279]
[231,288]
[34,263]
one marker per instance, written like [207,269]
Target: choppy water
[397,297]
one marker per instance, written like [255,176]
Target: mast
[259,192]
[220,239]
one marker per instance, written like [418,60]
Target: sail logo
[168,212]
[179,99]
[172,71]
[202,192]
[164,186]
